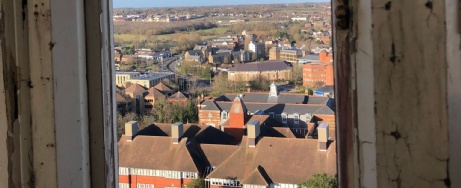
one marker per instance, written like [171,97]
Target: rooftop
[261,66]
[153,76]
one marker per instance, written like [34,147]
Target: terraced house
[270,70]
[175,155]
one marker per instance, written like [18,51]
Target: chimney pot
[177,131]
[323,131]
[253,129]
[131,129]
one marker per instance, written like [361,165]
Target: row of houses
[176,155]
[140,100]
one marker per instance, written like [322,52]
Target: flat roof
[121,72]
[153,76]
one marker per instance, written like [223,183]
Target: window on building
[284,118]
[210,115]
[123,185]
[224,115]
[272,114]
[296,118]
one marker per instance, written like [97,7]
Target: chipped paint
[410,93]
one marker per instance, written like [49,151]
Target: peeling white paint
[454,89]
[365,95]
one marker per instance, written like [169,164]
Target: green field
[210,33]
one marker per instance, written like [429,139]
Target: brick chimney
[253,130]
[131,129]
[238,114]
[323,132]
[177,130]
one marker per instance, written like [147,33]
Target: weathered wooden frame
[57,120]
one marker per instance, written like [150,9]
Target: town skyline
[179,3]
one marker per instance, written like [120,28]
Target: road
[171,66]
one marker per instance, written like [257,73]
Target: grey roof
[271,107]
[311,57]
[282,98]
[210,105]
[153,76]
[261,66]
[224,51]
[194,52]
[317,100]
[325,110]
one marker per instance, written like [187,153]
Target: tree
[220,85]
[320,181]
[196,183]
[121,120]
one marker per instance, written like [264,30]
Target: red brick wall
[159,182]
[203,117]
[313,73]
[271,76]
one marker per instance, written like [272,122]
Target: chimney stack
[177,132]
[253,129]
[131,129]
[323,131]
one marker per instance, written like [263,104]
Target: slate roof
[272,107]
[210,105]
[311,57]
[282,98]
[304,156]
[261,66]
[325,110]
[194,52]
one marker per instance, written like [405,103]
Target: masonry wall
[204,120]
[250,76]
[158,182]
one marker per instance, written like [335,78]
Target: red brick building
[270,70]
[290,110]
[170,156]
[319,73]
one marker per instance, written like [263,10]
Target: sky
[185,3]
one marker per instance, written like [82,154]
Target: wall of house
[317,73]
[251,76]
[204,120]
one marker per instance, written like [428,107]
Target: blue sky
[174,3]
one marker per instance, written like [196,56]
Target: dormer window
[308,117]
[272,114]
[284,118]
[224,115]
[296,118]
